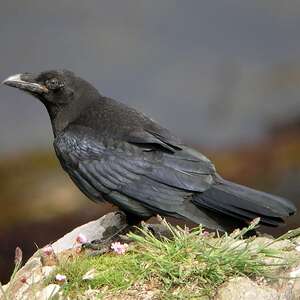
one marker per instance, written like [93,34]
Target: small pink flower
[23,279]
[18,256]
[81,239]
[60,278]
[119,248]
[205,233]
[48,250]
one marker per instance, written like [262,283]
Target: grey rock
[276,245]
[34,272]
[241,288]
[296,289]
[49,292]
[98,229]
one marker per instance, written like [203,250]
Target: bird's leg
[104,243]
[160,231]
[114,234]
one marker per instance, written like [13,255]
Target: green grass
[190,264]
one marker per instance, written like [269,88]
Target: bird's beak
[26,82]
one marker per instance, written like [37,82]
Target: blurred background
[223,75]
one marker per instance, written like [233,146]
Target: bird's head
[62,92]
[54,88]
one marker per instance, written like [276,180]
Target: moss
[190,265]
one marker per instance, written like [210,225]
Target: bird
[114,153]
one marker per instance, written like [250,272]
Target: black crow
[116,153]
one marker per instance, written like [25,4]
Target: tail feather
[244,203]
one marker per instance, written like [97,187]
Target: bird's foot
[101,246]
[160,231]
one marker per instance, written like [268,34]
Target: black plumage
[115,153]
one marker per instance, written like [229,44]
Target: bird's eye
[53,84]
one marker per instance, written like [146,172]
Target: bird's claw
[95,244]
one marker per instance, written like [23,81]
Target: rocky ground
[39,277]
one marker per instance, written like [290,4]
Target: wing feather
[161,180]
